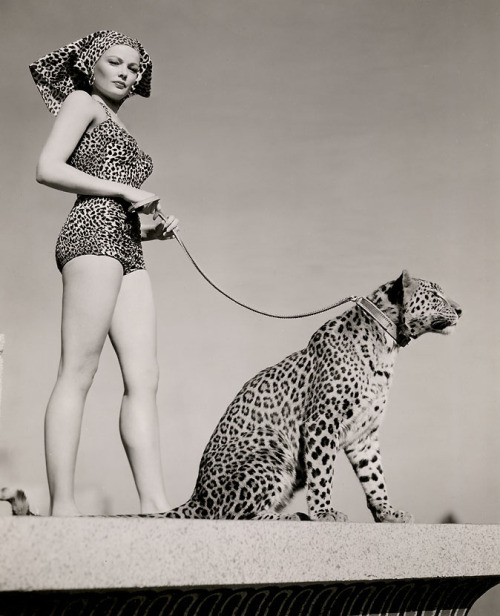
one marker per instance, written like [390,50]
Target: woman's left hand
[162,230]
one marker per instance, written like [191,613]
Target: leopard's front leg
[364,455]
[320,450]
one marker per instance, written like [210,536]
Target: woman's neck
[112,105]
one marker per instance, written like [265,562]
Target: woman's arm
[77,113]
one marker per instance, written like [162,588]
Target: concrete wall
[268,565]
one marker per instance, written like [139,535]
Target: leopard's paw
[332,516]
[302,517]
[395,517]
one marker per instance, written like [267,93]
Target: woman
[106,288]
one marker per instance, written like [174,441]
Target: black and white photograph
[249,307]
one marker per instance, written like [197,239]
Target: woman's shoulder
[81,103]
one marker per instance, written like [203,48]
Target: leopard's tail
[190,510]
[17,500]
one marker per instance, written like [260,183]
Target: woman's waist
[115,201]
[100,204]
[97,210]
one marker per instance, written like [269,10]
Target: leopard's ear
[401,288]
[395,291]
[409,285]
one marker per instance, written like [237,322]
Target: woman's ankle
[64,510]
[155,505]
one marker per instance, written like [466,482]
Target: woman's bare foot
[157,506]
[64,510]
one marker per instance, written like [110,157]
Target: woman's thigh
[91,285]
[133,330]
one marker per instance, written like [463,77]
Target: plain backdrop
[312,150]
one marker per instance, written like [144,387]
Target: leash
[367,306]
[256,310]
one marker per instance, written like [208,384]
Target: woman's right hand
[143,201]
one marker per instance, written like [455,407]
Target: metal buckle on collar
[381,318]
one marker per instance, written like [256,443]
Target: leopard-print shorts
[101,226]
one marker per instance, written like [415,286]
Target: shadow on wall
[449,518]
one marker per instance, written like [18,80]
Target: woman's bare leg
[133,335]
[91,287]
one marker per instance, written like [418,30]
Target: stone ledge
[51,554]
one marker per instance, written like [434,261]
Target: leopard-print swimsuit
[102,225]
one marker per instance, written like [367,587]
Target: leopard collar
[399,333]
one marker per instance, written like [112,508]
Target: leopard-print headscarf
[72,67]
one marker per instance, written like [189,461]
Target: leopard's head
[423,307]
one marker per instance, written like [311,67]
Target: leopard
[286,426]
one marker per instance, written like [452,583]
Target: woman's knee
[142,378]
[80,372]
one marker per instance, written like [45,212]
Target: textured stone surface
[95,553]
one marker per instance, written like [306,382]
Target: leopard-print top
[110,152]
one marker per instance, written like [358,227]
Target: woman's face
[116,72]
